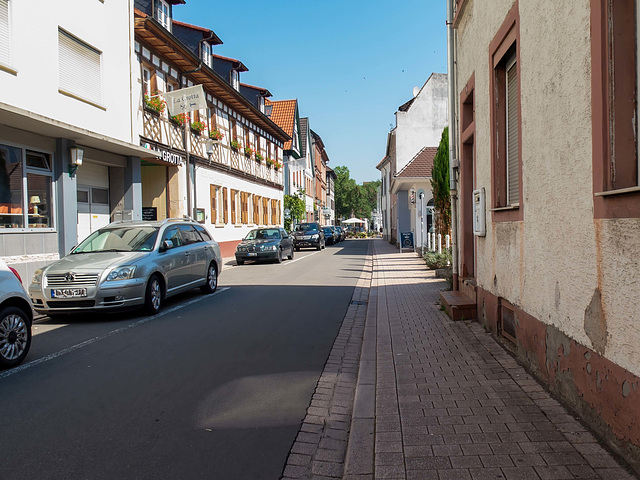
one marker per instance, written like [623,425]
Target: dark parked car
[330,235]
[337,233]
[343,233]
[265,244]
[308,235]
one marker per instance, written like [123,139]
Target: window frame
[166,20]
[68,89]
[609,201]
[505,42]
[25,189]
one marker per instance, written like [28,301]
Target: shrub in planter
[437,260]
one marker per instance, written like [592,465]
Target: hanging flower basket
[181,119]
[235,144]
[197,127]
[216,135]
[154,104]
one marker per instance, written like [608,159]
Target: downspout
[453,141]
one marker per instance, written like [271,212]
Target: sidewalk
[409,394]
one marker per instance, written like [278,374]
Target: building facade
[69,154]
[548,169]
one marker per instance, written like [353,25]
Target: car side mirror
[166,245]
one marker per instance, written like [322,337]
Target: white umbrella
[353,220]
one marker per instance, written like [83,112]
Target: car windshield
[119,239]
[327,230]
[263,234]
[306,227]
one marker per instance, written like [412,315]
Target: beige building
[545,128]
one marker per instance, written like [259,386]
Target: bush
[437,260]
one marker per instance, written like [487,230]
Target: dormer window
[206,54]
[163,14]
[235,80]
[261,104]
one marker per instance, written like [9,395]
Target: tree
[297,208]
[345,192]
[440,186]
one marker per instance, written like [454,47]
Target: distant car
[330,235]
[129,264]
[308,235]
[337,233]
[265,244]
[343,233]
[16,317]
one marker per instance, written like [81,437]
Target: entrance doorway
[94,211]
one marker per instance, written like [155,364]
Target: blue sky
[350,63]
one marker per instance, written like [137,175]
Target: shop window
[616,168]
[76,56]
[26,199]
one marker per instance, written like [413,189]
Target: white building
[65,81]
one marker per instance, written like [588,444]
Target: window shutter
[513,174]
[213,191]
[5,37]
[224,206]
[233,206]
[244,207]
[79,68]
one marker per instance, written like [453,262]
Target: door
[94,211]
[175,261]
[197,252]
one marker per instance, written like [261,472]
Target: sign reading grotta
[185,100]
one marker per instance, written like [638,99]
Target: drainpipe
[453,140]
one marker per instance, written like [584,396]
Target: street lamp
[210,149]
[76,154]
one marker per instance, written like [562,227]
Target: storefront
[161,185]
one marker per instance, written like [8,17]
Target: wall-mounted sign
[166,155]
[149,214]
[185,100]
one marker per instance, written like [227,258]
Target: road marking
[86,343]
[289,262]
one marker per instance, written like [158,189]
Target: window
[235,80]
[616,170]
[506,174]
[234,195]
[80,69]
[189,235]
[261,104]
[213,193]
[206,53]
[26,196]
[256,210]
[203,233]
[163,14]
[5,33]
[265,210]
[244,205]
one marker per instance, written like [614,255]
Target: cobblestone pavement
[432,398]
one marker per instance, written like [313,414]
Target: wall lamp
[76,154]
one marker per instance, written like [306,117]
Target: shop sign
[165,154]
[185,100]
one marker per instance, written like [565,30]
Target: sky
[350,63]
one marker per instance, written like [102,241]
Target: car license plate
[252,254]
[68,292]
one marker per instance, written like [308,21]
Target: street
[212,387]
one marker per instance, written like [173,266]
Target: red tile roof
[283,114]
[420,166]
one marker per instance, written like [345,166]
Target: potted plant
[248,151]
[180,119]
[154,104]
[197,127]
[235,144]
[216,135]
[259,157]
[276,165]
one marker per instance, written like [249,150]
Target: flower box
[181,119]
[197,127]
[216,135]
[235,145]
[154,104]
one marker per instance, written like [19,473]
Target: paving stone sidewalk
[433,399]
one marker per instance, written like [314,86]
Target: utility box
[479,215]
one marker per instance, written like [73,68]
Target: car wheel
[153,295]
[319,247]
[212,279]
[279,257]
[15,336]
[239,262]
[297,249]
[291,254]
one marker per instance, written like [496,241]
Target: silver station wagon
[129,264]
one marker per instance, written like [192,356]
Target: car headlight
[37,277]
[274,248]
[315,237]
[121,273]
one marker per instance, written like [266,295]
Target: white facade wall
[107,27]
[424,121]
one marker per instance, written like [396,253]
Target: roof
[237,64]
[283,114]
[304,124]
[207,32]
[382,162]
[263,91]
[420,166]
[405,106]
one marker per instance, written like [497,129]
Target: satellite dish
[416,91]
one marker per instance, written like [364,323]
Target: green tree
[440,185]
[297,208]
[345,193]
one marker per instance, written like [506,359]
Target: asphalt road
[212,387]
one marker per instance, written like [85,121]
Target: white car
[16,317]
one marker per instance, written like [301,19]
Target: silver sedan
[129,264]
